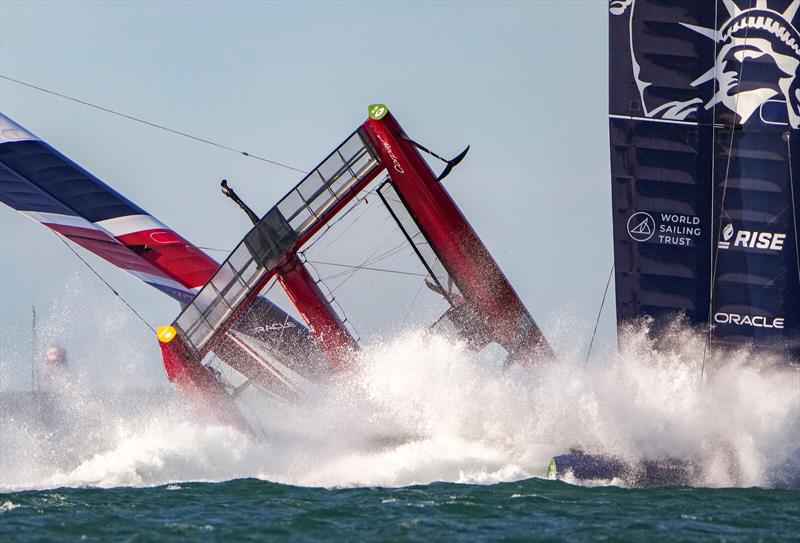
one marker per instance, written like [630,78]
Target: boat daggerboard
[704,103]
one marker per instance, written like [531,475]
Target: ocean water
[530,510]
[424,440]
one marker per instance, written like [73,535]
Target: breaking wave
[420,409]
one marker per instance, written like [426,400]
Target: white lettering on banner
[756,321]
[751,239]
[668,229]
[274,326]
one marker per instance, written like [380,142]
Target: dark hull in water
[583,467]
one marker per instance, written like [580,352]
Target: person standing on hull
[55,369]
[54,382]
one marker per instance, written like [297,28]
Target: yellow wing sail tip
[165,333]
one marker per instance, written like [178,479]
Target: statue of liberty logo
[757,64]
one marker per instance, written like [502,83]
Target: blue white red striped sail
[40,182]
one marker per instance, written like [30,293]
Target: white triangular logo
[642,228]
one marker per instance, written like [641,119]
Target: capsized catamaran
[704,112]
[230,339]
[378,159]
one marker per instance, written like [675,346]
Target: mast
[34,381]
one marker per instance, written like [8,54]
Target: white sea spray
[420,408]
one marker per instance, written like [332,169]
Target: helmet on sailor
[56,356]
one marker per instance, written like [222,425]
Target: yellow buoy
[165,333]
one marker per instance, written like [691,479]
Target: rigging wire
[106,283]
[344,214]
[356,267]
[332,299]
[711,250]
[213,249]
[411,306]
[154,125]
[331,225]
[715,240]
[599,313]
[349,274]
[371,259]
[788,137]
[34,348]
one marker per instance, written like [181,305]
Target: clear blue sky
[525,83]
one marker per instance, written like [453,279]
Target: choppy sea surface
[530,510]
[423,440]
